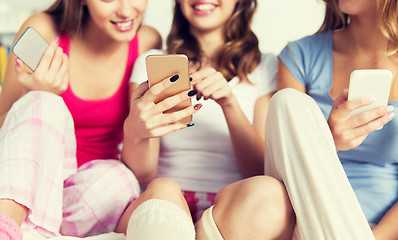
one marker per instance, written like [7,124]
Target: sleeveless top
[99,123]
[372,167]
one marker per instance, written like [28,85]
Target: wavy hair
[70,16]
[387,19]
[240,54]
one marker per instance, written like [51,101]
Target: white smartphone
[30,47]
[160,67]
[370,82]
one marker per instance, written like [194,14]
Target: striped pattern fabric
[38,170]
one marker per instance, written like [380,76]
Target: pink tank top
[99,123]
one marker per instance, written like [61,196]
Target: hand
[212,84]
[349,132]
[147,118]
[52,73]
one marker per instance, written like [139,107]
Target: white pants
[300,151]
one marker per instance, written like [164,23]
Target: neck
[94,40]
[365,36]
[210,42]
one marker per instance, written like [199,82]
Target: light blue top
[372,167]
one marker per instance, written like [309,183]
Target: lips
[202,8]
[124,25]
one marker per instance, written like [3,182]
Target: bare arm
[386,229]
[12,89]
[248,140]
[287,80]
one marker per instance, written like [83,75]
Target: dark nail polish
[192,93]
[190,79]
[174,78]
[147,81]
[190,124]
[197,106]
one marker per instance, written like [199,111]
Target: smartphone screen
[370,83]
[160,67]
[30,47]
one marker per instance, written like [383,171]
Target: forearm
[141,157]
[247,142]
[386,229]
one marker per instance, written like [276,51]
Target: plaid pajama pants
[38,170]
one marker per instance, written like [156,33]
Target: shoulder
[42,23]
[148,38]
[312,42]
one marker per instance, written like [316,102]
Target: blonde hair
[387,19]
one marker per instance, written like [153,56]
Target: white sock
[160,219]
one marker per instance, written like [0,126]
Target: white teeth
[204,7]
[124,24]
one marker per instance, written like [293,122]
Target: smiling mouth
[206,7]
[125,25]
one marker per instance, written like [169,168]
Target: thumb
[20,70]
[140,91]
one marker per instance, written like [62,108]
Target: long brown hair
[70,16]
[387,18]
[240,54]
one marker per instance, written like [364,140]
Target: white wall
[276,21]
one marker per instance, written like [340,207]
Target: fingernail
[190,124]
[56,40]
[372,99]
[190,79]
[147,81]
[197,98]
[16,61]
[390,116]
[192,93]
[197,106]
[174,78]
[389,109]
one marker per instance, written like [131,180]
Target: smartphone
[30,47]
[370,82]
[163,66]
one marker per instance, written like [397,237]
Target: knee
[163,186]
[260,192]
[255,203]
[43,105]
[290,98]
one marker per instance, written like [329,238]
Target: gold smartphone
[30,47]
[163,66]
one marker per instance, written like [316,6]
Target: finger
[371,126]
[201,74]
[161,120]
[220,93]
[173,101]
[56,63]
[20,71]
[158,88]
[166,129]
[139,91]
[341,98]
[62,77]
[371,115]
[45,61]
[349,106]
